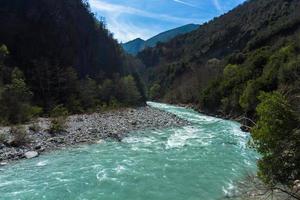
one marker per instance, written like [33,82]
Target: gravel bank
[88,129]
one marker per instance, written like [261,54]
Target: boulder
[31,154]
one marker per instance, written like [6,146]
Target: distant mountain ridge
[137,45]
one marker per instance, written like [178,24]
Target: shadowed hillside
[62,55]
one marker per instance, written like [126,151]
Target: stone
[2,146]
[99,142]
[134,123]
[3,163]
[93,130]
[31,154]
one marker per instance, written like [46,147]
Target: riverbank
[246,123]
[87,129]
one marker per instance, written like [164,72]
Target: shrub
[59,111]
[154,91]
[59,116]
[58,125]
[274,136]
[15,100]
[19,136]
[35,127]
[114,103]
[34,111]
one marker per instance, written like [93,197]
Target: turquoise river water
[201,161]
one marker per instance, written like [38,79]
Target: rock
[3,163]
[296,186]
[134,123]
[245,128]
[37,147]
[80,119]
[93,130]
[58,140]
[31,154]
[2,146]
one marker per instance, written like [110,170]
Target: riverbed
[199,161]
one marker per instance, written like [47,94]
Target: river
[201,161]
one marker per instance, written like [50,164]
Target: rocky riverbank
[84,129]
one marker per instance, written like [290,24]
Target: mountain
[184,66]
[62,55]
[135,46]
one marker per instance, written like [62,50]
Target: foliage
[59,118]
[276,138]
[129,93]
[154,91]
[240,37]
[59,111]
[19,136]
[3,53]
[88,93]
[58,125]
[65,56]
[15,100]
[35,127]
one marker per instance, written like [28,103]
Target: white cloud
[120,9]
[217,5]
[125,30]
[185,3]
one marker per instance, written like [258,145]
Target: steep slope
[63,31]
[185,65]
[64,56]
[137,45]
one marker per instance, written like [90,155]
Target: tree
[88,93]
[276,137]
[154,91]
[129,92]
[107,90]
[3,54]
[15,100]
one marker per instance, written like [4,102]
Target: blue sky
[130,19]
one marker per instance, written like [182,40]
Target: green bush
[114,103]
[15,100]
[275,138]
[58,125]
[59,111]
[35,127]
[19,135]
[154,91]
[58,122]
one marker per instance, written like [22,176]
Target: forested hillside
[185,65]
[244,64]
[56,53]
[135,46]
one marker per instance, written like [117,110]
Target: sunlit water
[201,161]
